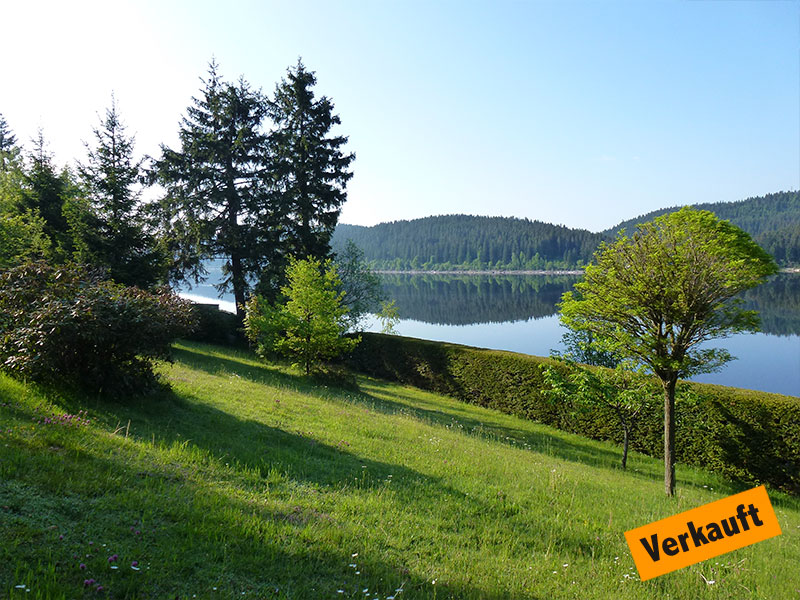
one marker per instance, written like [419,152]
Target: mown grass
[248,480]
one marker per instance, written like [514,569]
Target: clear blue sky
[581,113]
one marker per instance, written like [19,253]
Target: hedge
[749,436]
[215,326]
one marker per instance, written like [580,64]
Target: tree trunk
[625,449]
[669,434]
[237,276]
[234,241]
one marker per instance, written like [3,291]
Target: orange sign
[702,533]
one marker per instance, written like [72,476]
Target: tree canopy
[216,203]
[308,168]
[657,296]
[311,324]
[253,194]
[8,144]
[111,231]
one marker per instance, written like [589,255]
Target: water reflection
[470,300]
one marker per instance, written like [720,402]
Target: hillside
[773,221]
[484,243]
[249,481]
[448,241]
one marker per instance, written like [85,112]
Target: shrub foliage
[750,436]
[67,324]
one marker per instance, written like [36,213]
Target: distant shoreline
[794,270]
[474,272]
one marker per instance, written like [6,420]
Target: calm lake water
[518,313]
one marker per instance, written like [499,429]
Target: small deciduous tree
[655,297]
[22,239]
[581,347]
[627,392]
[310,326]
[389,316]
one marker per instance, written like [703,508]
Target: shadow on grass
[206,538]
[554,445]
[565,446]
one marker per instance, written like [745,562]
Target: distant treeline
[468,242]
[464,242]
[773,221]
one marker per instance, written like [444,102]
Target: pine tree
[8,144]
[311,325]
[45,193]
[309,166]
[116,238]
[216,205]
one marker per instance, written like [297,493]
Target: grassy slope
[248,480]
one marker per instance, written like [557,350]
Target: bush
[68,325]
[746,435]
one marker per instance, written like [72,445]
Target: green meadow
[247,480]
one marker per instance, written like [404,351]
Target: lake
[518,313]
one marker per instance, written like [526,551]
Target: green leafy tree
[22,239]
[216,203]
[114,233]
[655,297]
[580,347]
[389,316]
[310,326]
[308,164]
[627,392]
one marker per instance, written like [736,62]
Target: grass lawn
[249,480]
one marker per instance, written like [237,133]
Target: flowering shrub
[67,324]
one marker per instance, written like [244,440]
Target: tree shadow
[565,446]
[574,450]
[275,566]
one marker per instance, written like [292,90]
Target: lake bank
[479,273]
[504,272]
[519,313]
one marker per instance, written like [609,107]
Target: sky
[582,113]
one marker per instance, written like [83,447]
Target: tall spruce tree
[8,144]
[309,168]
[216,203]
[117,238]
[45,193]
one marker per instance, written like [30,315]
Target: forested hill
[464,241]
[773,221]
[480,243]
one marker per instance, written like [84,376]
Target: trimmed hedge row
[750,436]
